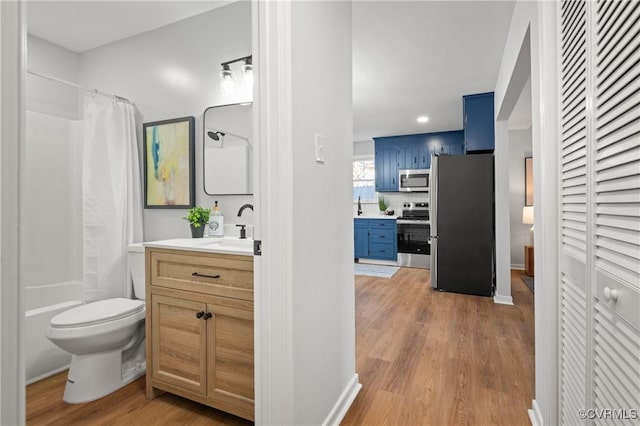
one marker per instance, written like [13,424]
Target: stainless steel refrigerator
[462,223]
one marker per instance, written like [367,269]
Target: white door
[600,212]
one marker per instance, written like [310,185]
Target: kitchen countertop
[224,245]
[375,216]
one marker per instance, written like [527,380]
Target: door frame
[12,116]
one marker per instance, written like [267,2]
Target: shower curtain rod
[94,91]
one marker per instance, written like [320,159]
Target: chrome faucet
[243,232]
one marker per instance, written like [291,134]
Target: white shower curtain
[112,200]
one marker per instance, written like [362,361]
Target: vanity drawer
[216,274]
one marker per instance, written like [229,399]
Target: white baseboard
[517,267]
[344,402]
[535,415]
[503,300]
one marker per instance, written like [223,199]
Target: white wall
[323,281]
[12,391]
[45,96]
[519,148]
[51,202]
[173,72]
[532,43]
[51,175]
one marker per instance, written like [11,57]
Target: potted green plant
[382,204]
[198,217]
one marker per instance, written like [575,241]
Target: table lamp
[527,219]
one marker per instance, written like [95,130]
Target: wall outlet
[319,139]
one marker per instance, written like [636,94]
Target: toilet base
[93,376]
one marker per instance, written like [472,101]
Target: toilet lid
[97,312]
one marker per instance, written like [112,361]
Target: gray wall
[173,72]
[519,148]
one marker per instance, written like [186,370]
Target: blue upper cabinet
[411,152]
[386,168]
[478,118]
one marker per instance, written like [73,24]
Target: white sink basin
[235,243]
[225,245]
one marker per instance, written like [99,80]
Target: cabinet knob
[207,315]
[610,294]
[199,314]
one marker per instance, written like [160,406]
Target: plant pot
[197,231]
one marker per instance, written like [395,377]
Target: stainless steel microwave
[413,180]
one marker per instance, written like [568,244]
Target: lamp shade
[527,215]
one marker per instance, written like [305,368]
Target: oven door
[414,249]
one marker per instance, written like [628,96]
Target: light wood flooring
[424,358]
[433,358]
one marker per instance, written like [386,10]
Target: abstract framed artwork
[169,163]
[528,181]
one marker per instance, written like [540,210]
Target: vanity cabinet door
[230,358]
[179,343]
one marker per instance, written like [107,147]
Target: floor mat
[528,281]
[381,271]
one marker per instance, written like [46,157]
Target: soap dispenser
[216,226]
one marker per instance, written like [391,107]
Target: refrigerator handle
[434,261]
[433,215]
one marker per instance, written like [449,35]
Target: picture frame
[528,181]
[169,163]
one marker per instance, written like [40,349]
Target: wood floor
[424,358]
[431,358]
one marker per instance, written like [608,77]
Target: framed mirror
[227,150]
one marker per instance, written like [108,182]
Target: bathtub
[43,358]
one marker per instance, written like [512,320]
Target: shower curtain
[112,200]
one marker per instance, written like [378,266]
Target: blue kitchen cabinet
[375,239]
[411,152]
[361,238]
[386,168]
[479,126]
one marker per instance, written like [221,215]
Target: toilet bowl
[105,338]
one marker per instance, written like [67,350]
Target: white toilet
[106,339]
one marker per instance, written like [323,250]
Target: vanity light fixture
[227,77]
[422,119]
[227,85]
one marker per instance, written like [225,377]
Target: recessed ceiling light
[422,119]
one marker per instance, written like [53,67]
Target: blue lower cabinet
[375,239]
[361,238]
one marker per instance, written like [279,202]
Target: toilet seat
[95,313]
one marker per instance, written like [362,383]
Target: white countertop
[375,216]
[224,245]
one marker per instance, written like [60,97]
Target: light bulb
[227,84]
[247,68]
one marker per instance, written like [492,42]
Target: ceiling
[84,25]
[419,58]
[409,58]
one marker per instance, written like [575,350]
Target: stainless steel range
[414,228]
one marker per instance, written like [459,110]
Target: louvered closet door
[573,241]
[616,290]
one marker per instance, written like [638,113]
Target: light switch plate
[319,139]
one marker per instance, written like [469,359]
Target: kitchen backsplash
[395,201]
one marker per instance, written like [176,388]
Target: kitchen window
[364,180]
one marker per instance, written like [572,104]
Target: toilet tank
[136,267]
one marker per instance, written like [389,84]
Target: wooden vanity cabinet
[200,328]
